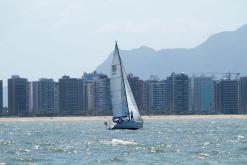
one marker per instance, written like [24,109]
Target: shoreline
[107,118]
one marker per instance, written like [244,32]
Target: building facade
[44,97]
[56,98]
[18,96]
[101,95]
[88,92]
[1,96]
[217,96]
[243,95]
[70,96]
[203,94]
[35,88]
[228,96]
[96,94]
[154,96]
[177,93]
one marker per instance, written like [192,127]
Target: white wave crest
[240,137]
[119,142]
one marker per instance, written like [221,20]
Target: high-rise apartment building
[70,96]
[203,94]
[18,96]
[35,88]
[88,92]
[101,94]
[177,93]
[216,97]
[243,95]
[154,96]
[29,97]
[96,93]
[1,96]
[44,96]
[228,96]
[56,98]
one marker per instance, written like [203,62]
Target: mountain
[221,52]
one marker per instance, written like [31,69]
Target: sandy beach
[106,118]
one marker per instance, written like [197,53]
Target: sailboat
[125,112]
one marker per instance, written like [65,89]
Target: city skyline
[90,95]
[214,75]
[38,34]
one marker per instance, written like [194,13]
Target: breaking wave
[120,142]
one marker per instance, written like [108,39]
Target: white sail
[123,102]
[130,99]
[118,94]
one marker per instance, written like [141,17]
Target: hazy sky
[50,38]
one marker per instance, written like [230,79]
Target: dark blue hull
[133,125]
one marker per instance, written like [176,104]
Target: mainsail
[123,102]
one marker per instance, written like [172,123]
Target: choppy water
[195,141]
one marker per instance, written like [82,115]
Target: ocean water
[189,141]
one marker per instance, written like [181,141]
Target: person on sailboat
[131,116]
